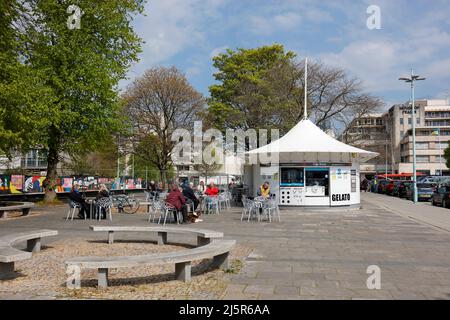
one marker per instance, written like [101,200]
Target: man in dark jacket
[78,198]
[176,199]
[188,192]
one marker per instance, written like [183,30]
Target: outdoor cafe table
[91,201]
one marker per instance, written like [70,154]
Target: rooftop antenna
[305,111]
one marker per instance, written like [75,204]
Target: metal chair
[73,206]
[250,208]
[168,208]
[103,204]
[212,204]
[154,208]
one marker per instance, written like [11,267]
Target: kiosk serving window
[317,181]
[292,177]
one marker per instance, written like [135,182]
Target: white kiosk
[314,169]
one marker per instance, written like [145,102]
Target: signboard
[340,186]
[353,177]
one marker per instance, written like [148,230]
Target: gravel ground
[45,274]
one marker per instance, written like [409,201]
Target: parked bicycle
[125,203]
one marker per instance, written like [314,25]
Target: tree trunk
[52,164]
[163,174]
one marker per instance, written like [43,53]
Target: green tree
[247,94]
[22,91]
[79,70]
[264,88]
[447,156]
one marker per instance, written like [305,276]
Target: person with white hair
[103,192]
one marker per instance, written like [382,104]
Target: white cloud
[217,51]
[262,25]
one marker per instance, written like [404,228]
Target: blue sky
[187,33]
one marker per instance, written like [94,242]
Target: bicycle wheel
[130,205]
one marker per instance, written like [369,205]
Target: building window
[401,120]
[423,159]
[441,145]
[183,168]
[402,133]
[409,121]
[418,120]
[35,159]
[422,145]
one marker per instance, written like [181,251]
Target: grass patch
[235,267]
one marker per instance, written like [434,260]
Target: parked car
[382,186]
[432,179]
[401,188]
[424,191]
[441,196]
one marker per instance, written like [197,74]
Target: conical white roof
[306,137]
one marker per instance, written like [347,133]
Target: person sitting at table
[201,187]
[176,199]
[152,188]
[264,190]
[103,192]
[189,194]
[212,190]
[78,198]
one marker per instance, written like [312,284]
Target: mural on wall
[34,184]
[16,184]
[67,184]
[5,183]
[10,184]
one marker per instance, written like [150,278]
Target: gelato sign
[340,186]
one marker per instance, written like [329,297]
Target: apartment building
[369,133]
[432,136]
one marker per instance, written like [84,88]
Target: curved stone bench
[218,249]
[25,207]
[203,236]
[9,255]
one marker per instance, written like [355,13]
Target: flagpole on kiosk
[305,111]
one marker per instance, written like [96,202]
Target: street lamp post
[411,80]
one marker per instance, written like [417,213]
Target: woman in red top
[212,190]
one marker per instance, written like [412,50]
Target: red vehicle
[389,188]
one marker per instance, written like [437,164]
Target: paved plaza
[310,254]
